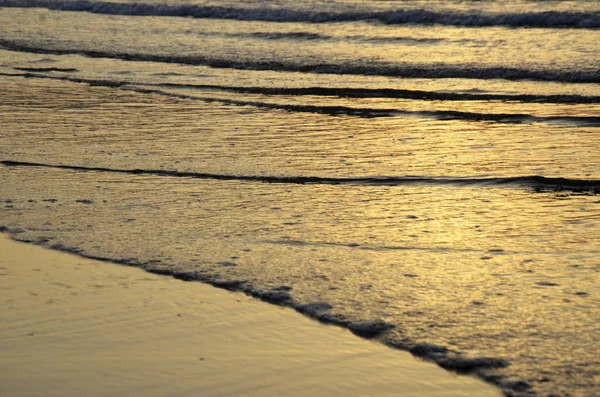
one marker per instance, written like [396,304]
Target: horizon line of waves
[536,182]
[358,68]
[544,19]
[394,93]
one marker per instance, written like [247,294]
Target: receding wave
[538,183]
[437,71]
[378,329]
[331,91]
[546,19]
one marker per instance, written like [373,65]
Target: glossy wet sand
[73,326]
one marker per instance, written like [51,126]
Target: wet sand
[73,326]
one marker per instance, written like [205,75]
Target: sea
[423,173]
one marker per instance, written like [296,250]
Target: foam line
[545,19]
[372,69]
[538,182]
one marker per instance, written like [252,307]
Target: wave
[326,91]
[310,36]
[394,93]
[43,70]
[403,40]
[536,182]
[545,19]
[283,35]
[375,329]
[511,118]
[435,71]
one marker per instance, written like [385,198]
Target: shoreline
[76,325]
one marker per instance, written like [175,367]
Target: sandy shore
[72,327]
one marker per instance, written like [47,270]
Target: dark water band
[545,19]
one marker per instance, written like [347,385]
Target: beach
[73,326]
[422,175]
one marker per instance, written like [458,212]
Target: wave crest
[437,71]
[538,183]
[546,19]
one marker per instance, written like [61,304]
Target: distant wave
[546,19]
[310,36]
[396,93]
[539,183]
[327,91]
[43,70]
[590,121]
[359,68]
[283,35]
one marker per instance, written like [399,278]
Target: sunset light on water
[424,174]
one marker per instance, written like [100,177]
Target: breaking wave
[546,19]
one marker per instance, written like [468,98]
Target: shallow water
[66,317]
[384,170]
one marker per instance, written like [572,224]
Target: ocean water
[424,173]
